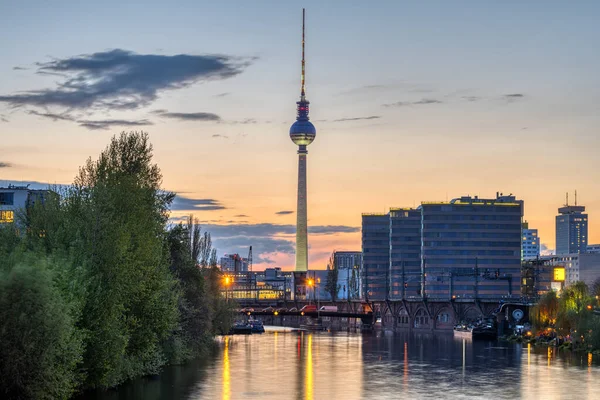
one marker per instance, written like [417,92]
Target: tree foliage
[113,292]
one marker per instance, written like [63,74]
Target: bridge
[407,314]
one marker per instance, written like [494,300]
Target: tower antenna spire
[303,89]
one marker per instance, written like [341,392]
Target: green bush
[40,347]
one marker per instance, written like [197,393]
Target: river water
[378,365]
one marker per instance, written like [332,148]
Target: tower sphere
[302,132]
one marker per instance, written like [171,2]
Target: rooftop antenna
[567,199]
[576,197]
[303,89]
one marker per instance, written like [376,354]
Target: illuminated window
[7,216]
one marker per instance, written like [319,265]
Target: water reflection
[372,366]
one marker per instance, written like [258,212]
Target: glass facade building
[468,247]
[376,256]
[571,230]
[471,247]
[405,252]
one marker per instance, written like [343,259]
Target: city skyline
[447,104]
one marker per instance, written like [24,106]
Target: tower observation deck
[302,133]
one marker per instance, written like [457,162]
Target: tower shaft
[301,215]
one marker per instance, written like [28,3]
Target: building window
[7,199]
[7,216]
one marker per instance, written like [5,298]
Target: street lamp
[228,281]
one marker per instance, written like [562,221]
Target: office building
[593,248]
[578,267]
[376,256]
[233,263]
[472,247]
[405,252]
[571,230]
[468,247]
[530,243]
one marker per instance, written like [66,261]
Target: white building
[17,198]
[579,267]
[530,243]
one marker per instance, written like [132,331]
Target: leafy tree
[40,347]
[545,312]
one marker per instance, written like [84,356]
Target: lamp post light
[228,281]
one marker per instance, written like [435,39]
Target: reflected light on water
[589,362]
[308,380]
[405,366]
[226,372]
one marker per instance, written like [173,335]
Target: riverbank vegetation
[568,319]
[96,287]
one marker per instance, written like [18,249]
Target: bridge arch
[421,319]
[445,318]
[403,318]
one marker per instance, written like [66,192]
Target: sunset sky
[412,101]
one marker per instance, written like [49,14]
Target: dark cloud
[285,212]
[20,68]
[427,101]
[222,94]
[267,229]
[357,118]
[3,118]
[5,164]
[416,103]
[123,80]
[471,98]
[101,124]
[183,203]
[512,97]
[244,121]
[104,124]
[221,136]
[195,116]
[52,116]
[241,216]
[264,238]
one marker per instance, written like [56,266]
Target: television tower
[302,133]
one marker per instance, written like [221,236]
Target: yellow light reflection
[226,373]
[590,362]
[308,381]
[549,355]
[528,356]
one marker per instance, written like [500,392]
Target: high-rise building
[376,256]
[571,229]
[233,263]
[472,247]
[405,252]
[468,247]
[302,133]
[530,243]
